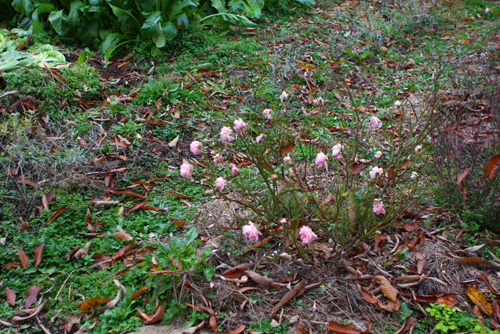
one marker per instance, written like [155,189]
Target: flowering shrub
[369,180]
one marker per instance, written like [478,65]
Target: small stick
[287,297]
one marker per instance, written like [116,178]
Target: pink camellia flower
[378,154]
[273,176]
[287,159]
[414,175]
[375,171]
[186,169]
[378,207]
[239,125]
[251,232]
[397,103]
[259,137]
[283,96]
[375,122]
[219,183]
[321,159]
[225,134]
[337,150]
[318,102]
[307,235]
[234,170]
[194,147]
[218,159]
[487,10]
[267,113]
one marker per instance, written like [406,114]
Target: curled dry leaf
[388,290]
[124,250]
[16,318]
[177,195]
[122,235]
[237,330]
[490,170]
[462,175]
[238,271]
[71,322]
[287,297]
[335,327]
[259,279]
[128,192]
[31,296]
[421,263]
[138,293]
[57,213]
[480,300]
[152,318]
[38,254]
[92,302]
[112,303]
[10,296]
[410,322]
[22,257]
[83,251]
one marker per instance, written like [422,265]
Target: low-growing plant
[363,178]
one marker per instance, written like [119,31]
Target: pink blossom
[186,169]
[267,113]
[307,235]
[287,159]
[218,159]
[219,183]
[239,125]
[397,103]
[414,175]
[259,137]
[321,159]
[234,170]
[194,147]
[283,221]
[283,96]
[487,10]
[318,102]
[375,122]
[225,134]
[378,207]
[337,150]
[378,154]
[418,148]
[251,232]
[273,176]
[375,171]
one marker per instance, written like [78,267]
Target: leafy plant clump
[454,320]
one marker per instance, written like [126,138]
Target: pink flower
[375,171]
[186,169]
[307,235]
[273,176]
[283,96]
[234,170]
[318,102]
[240,126]
[378,154]
[267,113]
[287,159]
[321,160]
[219,183]
[225,134]
[251,232]
[397,103]
[283,221]
[378,207]
[414,175]
[194,147]
[487,10]
[337,150]
[418,148]
[259,137]
[375,122]
[218,159]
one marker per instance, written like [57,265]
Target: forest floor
[100,233]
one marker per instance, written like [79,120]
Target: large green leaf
[225,20]
[180,7]
[23,6]
[220,5]
[152,25]
[307,2]
[252,8]
[124,15]
[169,30]
[58,22]
[73,19]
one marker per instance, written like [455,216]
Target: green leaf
[73,19]
[225,20]
[220,5]
[23,6]
[307,2]
[152,25]
[183,21]
[57,20]
[169,30]
[123,15]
